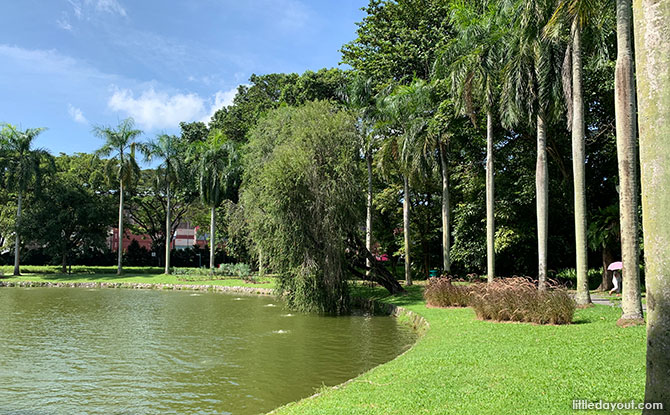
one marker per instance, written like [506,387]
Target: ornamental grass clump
[518,299]
[442,292]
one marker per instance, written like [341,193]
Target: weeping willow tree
[303,197]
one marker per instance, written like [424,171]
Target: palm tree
[406,112]
[21,166]
[473,63]
[652,52]
[626,132]
[169,149]
[360,98]
[217,161]
[120,143]
[578,13]
[532,88]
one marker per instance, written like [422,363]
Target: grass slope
[137,278]
[466,366]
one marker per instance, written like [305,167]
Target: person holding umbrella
[616,268]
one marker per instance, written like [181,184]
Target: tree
[217,163]
[173,171]
[72,213]
[406,112]
[652,52]
[532,87]
[120,143]
[626,132]
[303,196]
[360,98]
[473,63]
[579,14]
[21,165]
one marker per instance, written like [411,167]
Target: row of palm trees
[516,63]
[213,165]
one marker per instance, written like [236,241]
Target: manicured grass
[138,278]
[466,366]
[78,269]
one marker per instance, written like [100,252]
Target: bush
[240,270]
[518,299]
[568,276]
[441,292]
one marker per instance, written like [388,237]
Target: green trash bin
[433,273]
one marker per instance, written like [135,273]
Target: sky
[70,65]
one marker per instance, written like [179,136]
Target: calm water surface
[106,351]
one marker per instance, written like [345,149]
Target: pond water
[120,351]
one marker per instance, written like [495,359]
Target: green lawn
[137,278]
[466,366]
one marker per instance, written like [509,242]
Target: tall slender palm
[120,144]
[217,161]
[21,166]
[169,149]
[473,63]
[360,98]
[406,112]
[532,88]
[626,132]
[578,13]
[652,56]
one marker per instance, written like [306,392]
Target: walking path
[598,299]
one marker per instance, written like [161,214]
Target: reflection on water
[72,351]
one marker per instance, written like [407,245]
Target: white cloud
[76,114]
[154,109]
[64,22]
[108,6]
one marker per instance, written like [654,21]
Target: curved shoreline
[404,316]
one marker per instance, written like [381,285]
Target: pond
[121,351]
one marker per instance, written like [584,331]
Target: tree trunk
[119,269]
[626,131]
[608,258]
[542,202]
[652,47]
[490,194]
[261,265]
[368,212]
[446,242]
[64,263]
[17,241]
[405,217]
[168,233]
[583,297]
[212,238]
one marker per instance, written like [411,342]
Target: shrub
[518,299]
[442,292]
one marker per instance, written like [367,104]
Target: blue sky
[70,64]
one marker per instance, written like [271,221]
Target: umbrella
[615,266]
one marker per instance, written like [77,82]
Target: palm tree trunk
[446,242]
[119,269]
[490,218]
[212,238]
[583,297]
[168,234]
[368,213]
[652,58]
[17,242]
[624,103]
[542,203]
[405,217]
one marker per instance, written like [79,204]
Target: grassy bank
[131,277]
[466,366]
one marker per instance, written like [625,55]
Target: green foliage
[217,163]
[120,144]
[303,197]
[239,270]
